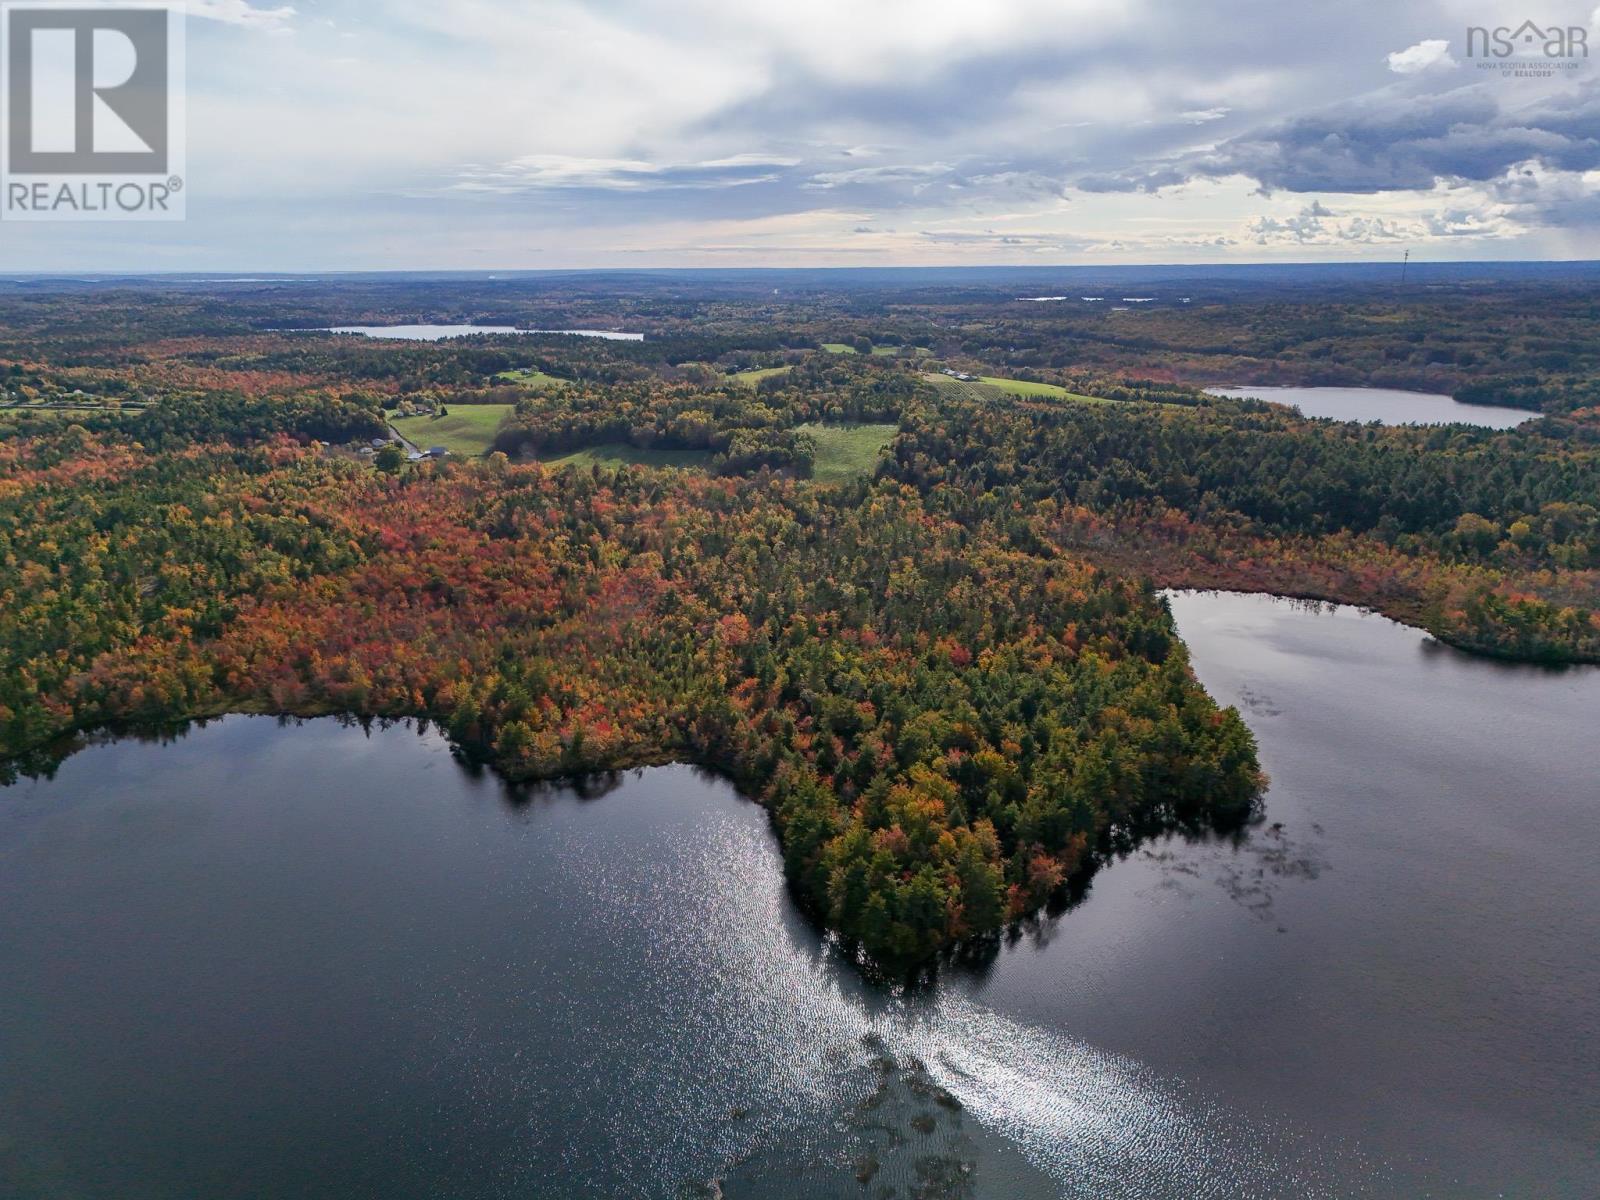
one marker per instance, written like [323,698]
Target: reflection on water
[318,961]
[325,961]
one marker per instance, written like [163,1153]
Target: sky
[497,134]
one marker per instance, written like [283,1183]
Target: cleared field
[529,378]
[879,351]
[847,451]
[620,454]
[993,387]
[468,430]
[1023,387]
[972,390]
[751,378]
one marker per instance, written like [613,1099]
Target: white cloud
[241,12]
[1466,217]
[555,171]
[1430,55]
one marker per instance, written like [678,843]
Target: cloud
[1536,195]
[1460,222]
[1305,226]
[1315,225]
[1430,55]
[915,173]
[1201,116]
[542,172]
[1391,142]
[241,12]
[990,237]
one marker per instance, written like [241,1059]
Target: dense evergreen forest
[945,667]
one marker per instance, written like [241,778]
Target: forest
[950,676]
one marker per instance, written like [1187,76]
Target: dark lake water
[1386,405]
[438,333]
[312,961]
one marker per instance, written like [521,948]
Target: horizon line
[1315,264]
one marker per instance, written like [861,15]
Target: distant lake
[308,961]
[436,333]
[1387,405]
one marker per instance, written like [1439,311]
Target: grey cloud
[1391,142]
[1548,198]
[889,184]
[1146,179]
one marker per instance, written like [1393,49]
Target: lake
[314,960]
[438,333]
[1386,405]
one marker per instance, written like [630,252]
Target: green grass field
[993,387]
[620,454]
[847,451]
[529,378]
[973,391]
[878,351]
[1023,387]
[468,431]
[751,378]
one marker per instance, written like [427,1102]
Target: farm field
[1024,387]
[879,351]
[963,387]
[528,377]
[468,430]
[753,377]
[994,387]
[847,451]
